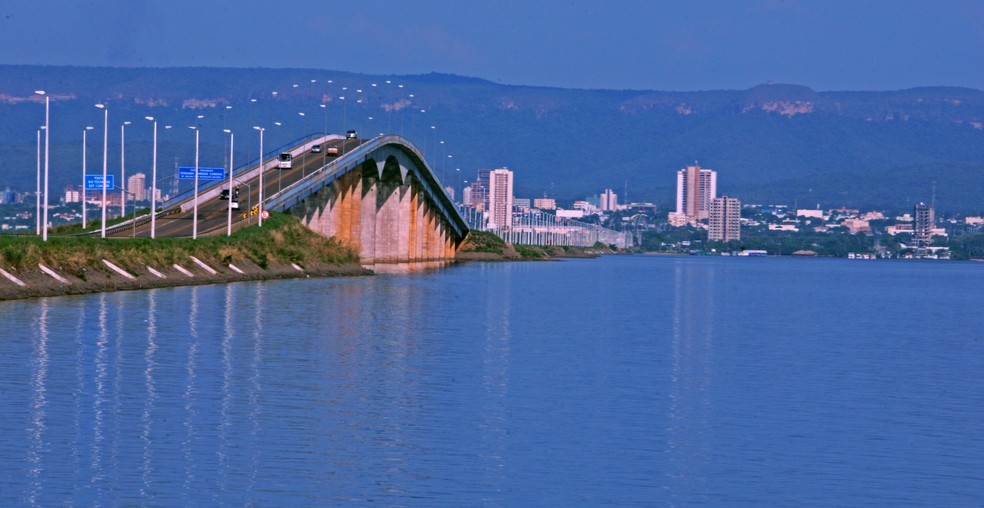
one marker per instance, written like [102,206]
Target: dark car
[225,193]
[351,135]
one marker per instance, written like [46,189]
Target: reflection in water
[495,378]
[255,385]
[78,389]
[100,392]
[39,404]
[693,317]
[461,388]
[227,390]
[150,399]
[190,398]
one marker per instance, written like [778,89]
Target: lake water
[620,381]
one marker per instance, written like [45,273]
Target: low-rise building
[816,214]
[856,226]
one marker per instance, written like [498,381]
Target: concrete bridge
[377,196]
[381,199]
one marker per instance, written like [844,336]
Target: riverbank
[282,249]
[66,265]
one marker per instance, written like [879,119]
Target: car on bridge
[225,193]
[316,149]
[351,135]
[284,161]
[332,150]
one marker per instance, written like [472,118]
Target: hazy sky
[616,44]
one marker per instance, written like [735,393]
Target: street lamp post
[194,220]
[37,191]
[278,124]
[84,131]
[232,143]
[153,184]
[261,129]
[105,152]
[123,168]
[304,153]
[47,137]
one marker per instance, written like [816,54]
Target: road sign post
[186,173]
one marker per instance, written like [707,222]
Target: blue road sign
[95,182]
[203,173]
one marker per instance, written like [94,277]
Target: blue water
[620,381]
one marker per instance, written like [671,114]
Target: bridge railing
[205,185]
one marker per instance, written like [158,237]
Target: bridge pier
[382,211]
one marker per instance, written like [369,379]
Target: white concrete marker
[237,270]
[52,273]
[156,273]
[299,269]
[202,264]
[118,269]
[182,270]
[13,279]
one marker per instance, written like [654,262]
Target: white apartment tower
[724,220]
[608,201]
[500,198]
[136,185]
[696,187]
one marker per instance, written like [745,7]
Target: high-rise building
[924,222]
[608,201]
[724,220]
[696,187]
[72,194]
[136,185]
[477,196]
[500,198]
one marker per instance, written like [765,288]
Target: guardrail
[206,185]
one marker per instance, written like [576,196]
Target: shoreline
[41,284]
[44,282]
[75,267]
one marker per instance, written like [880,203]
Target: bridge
[377,196]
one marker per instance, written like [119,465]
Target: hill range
[772,143]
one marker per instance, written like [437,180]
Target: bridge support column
[405,227]
[367,213]
[387,223]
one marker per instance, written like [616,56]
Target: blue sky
[613,44]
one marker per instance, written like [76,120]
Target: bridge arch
[381,199]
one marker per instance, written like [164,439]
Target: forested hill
[774,143]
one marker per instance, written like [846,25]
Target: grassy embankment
[281,240]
